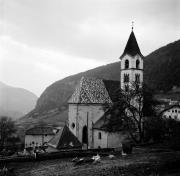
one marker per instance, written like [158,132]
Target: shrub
[127,147]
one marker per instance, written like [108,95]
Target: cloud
[35,68]
[41,40]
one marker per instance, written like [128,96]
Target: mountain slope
[162,67]
[161,72]
[15,102]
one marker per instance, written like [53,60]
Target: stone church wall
[81,115]
[108,140]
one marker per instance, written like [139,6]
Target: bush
[127,147]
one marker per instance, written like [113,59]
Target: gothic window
[126,64]
[99,135]
[126,77]
[137,63]
[137,78]
[126,88]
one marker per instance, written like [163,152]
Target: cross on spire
[132,25]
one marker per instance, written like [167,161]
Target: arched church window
[126,77]
[126,64]
[126,88]
[137,78]
[99,135]
[137,63]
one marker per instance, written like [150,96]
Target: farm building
[39,136]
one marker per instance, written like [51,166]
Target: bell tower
[131,63]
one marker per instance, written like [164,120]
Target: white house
[86,105]
[171,112]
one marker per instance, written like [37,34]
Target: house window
[45,134]
[99,135]
[126,77]
[176,110]
[172,110]
[126,64]
[137,78]
[137,63]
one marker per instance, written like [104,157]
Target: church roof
[94,91]
[132,47]
[99,124]
[64,139]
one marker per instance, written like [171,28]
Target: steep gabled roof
[94,91]
[99,124]
[64,139]
[132,47]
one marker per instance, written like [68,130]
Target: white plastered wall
[81,115]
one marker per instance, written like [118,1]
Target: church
[86,105]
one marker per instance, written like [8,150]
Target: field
[139,163]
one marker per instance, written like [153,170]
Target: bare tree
[7,129]
[130,110]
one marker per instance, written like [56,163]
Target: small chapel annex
[86,105]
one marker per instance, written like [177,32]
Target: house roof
[64,139]
[99,124]
[94,91]
[169,107]
[132,47]
[40,130]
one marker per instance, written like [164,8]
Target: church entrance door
[84,135]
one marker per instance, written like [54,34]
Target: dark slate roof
[40,130]
[94,91]
[99,124]
[64,139]
[112,87]
[103,121]
[132,47]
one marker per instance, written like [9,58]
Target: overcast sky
[42,41]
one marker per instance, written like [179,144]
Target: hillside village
[85,107]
